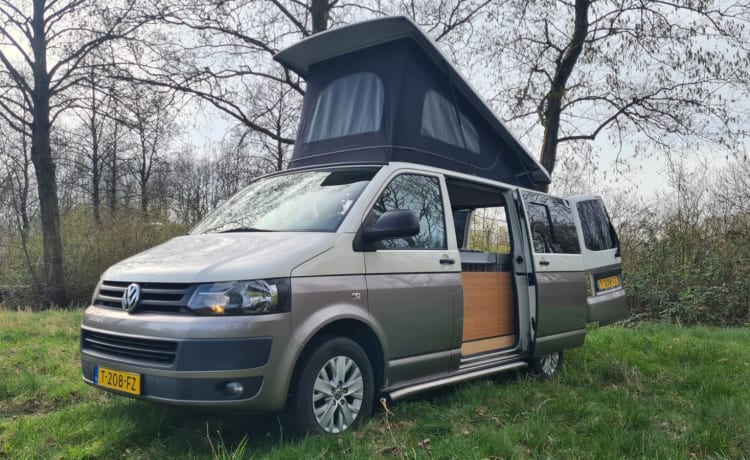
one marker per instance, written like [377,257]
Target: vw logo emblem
[131,297]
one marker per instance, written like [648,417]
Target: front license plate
[118,380]
[609,282]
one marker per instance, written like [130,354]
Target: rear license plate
[127,382]
[609,282]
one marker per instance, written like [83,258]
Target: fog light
[233,389]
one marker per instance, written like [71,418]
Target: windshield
[313,201]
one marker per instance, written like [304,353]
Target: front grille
[155,297]
[132,348]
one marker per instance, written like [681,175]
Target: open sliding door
[559,273]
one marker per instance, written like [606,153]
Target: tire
[343,395]
[546,366]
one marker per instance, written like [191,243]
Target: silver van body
[423,306]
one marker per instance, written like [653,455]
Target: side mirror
[398,223]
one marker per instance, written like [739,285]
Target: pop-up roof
[381,91]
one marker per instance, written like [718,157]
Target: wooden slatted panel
[481,346]
[488,305]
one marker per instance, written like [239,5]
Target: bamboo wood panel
[480,346]
[488,305]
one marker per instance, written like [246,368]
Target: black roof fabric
[382,91]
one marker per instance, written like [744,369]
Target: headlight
[241,297]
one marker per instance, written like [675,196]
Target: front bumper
[198,392]
[188,361]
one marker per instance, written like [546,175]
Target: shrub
[88,248]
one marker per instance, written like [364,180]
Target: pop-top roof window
[440,121]
[349,105]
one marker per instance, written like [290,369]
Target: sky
[205,130]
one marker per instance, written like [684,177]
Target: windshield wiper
[245,229]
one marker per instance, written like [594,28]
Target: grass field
[652,391]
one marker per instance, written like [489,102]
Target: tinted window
[541,229]
[420,194]
[350,105]
[440,121]
[597,230]
[559,235]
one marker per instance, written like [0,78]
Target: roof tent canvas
[381,91]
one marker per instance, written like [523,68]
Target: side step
[403,392]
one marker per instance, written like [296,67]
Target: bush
[89,248]
[691,274]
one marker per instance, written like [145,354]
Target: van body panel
[320,301]
[560,341]
[221,257]
[562,302]
[415,367]
[416,309]
[335,261]
[601,260]
[607,308]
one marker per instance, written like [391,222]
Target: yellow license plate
[118,380]
[608,283]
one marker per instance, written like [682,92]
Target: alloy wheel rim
[337,394]
[550,362]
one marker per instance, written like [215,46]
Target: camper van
[404,249]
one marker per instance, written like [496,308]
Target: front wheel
[335,388]
[547,365]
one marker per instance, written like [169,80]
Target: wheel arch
[355,330]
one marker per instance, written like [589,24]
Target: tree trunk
[41,155]
[95,160]
[23,199]
[113,170]
[552,104]
[320,12]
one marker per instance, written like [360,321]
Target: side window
[349,105]
[441,121]
[489,231]
[595,223]
[563,226]
[541,229]
[420,194]
[552,226]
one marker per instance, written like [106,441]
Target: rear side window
[551,222]
[596,226]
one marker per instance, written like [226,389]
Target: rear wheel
[547,365]
[334,391]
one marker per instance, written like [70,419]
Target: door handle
[447,261]
[543,262]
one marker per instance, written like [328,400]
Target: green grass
[652,391]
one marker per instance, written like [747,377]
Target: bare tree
[221,52]
[89,135]
[43,51]
[151,118]
[17,183]
[660,72]
[732,187]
